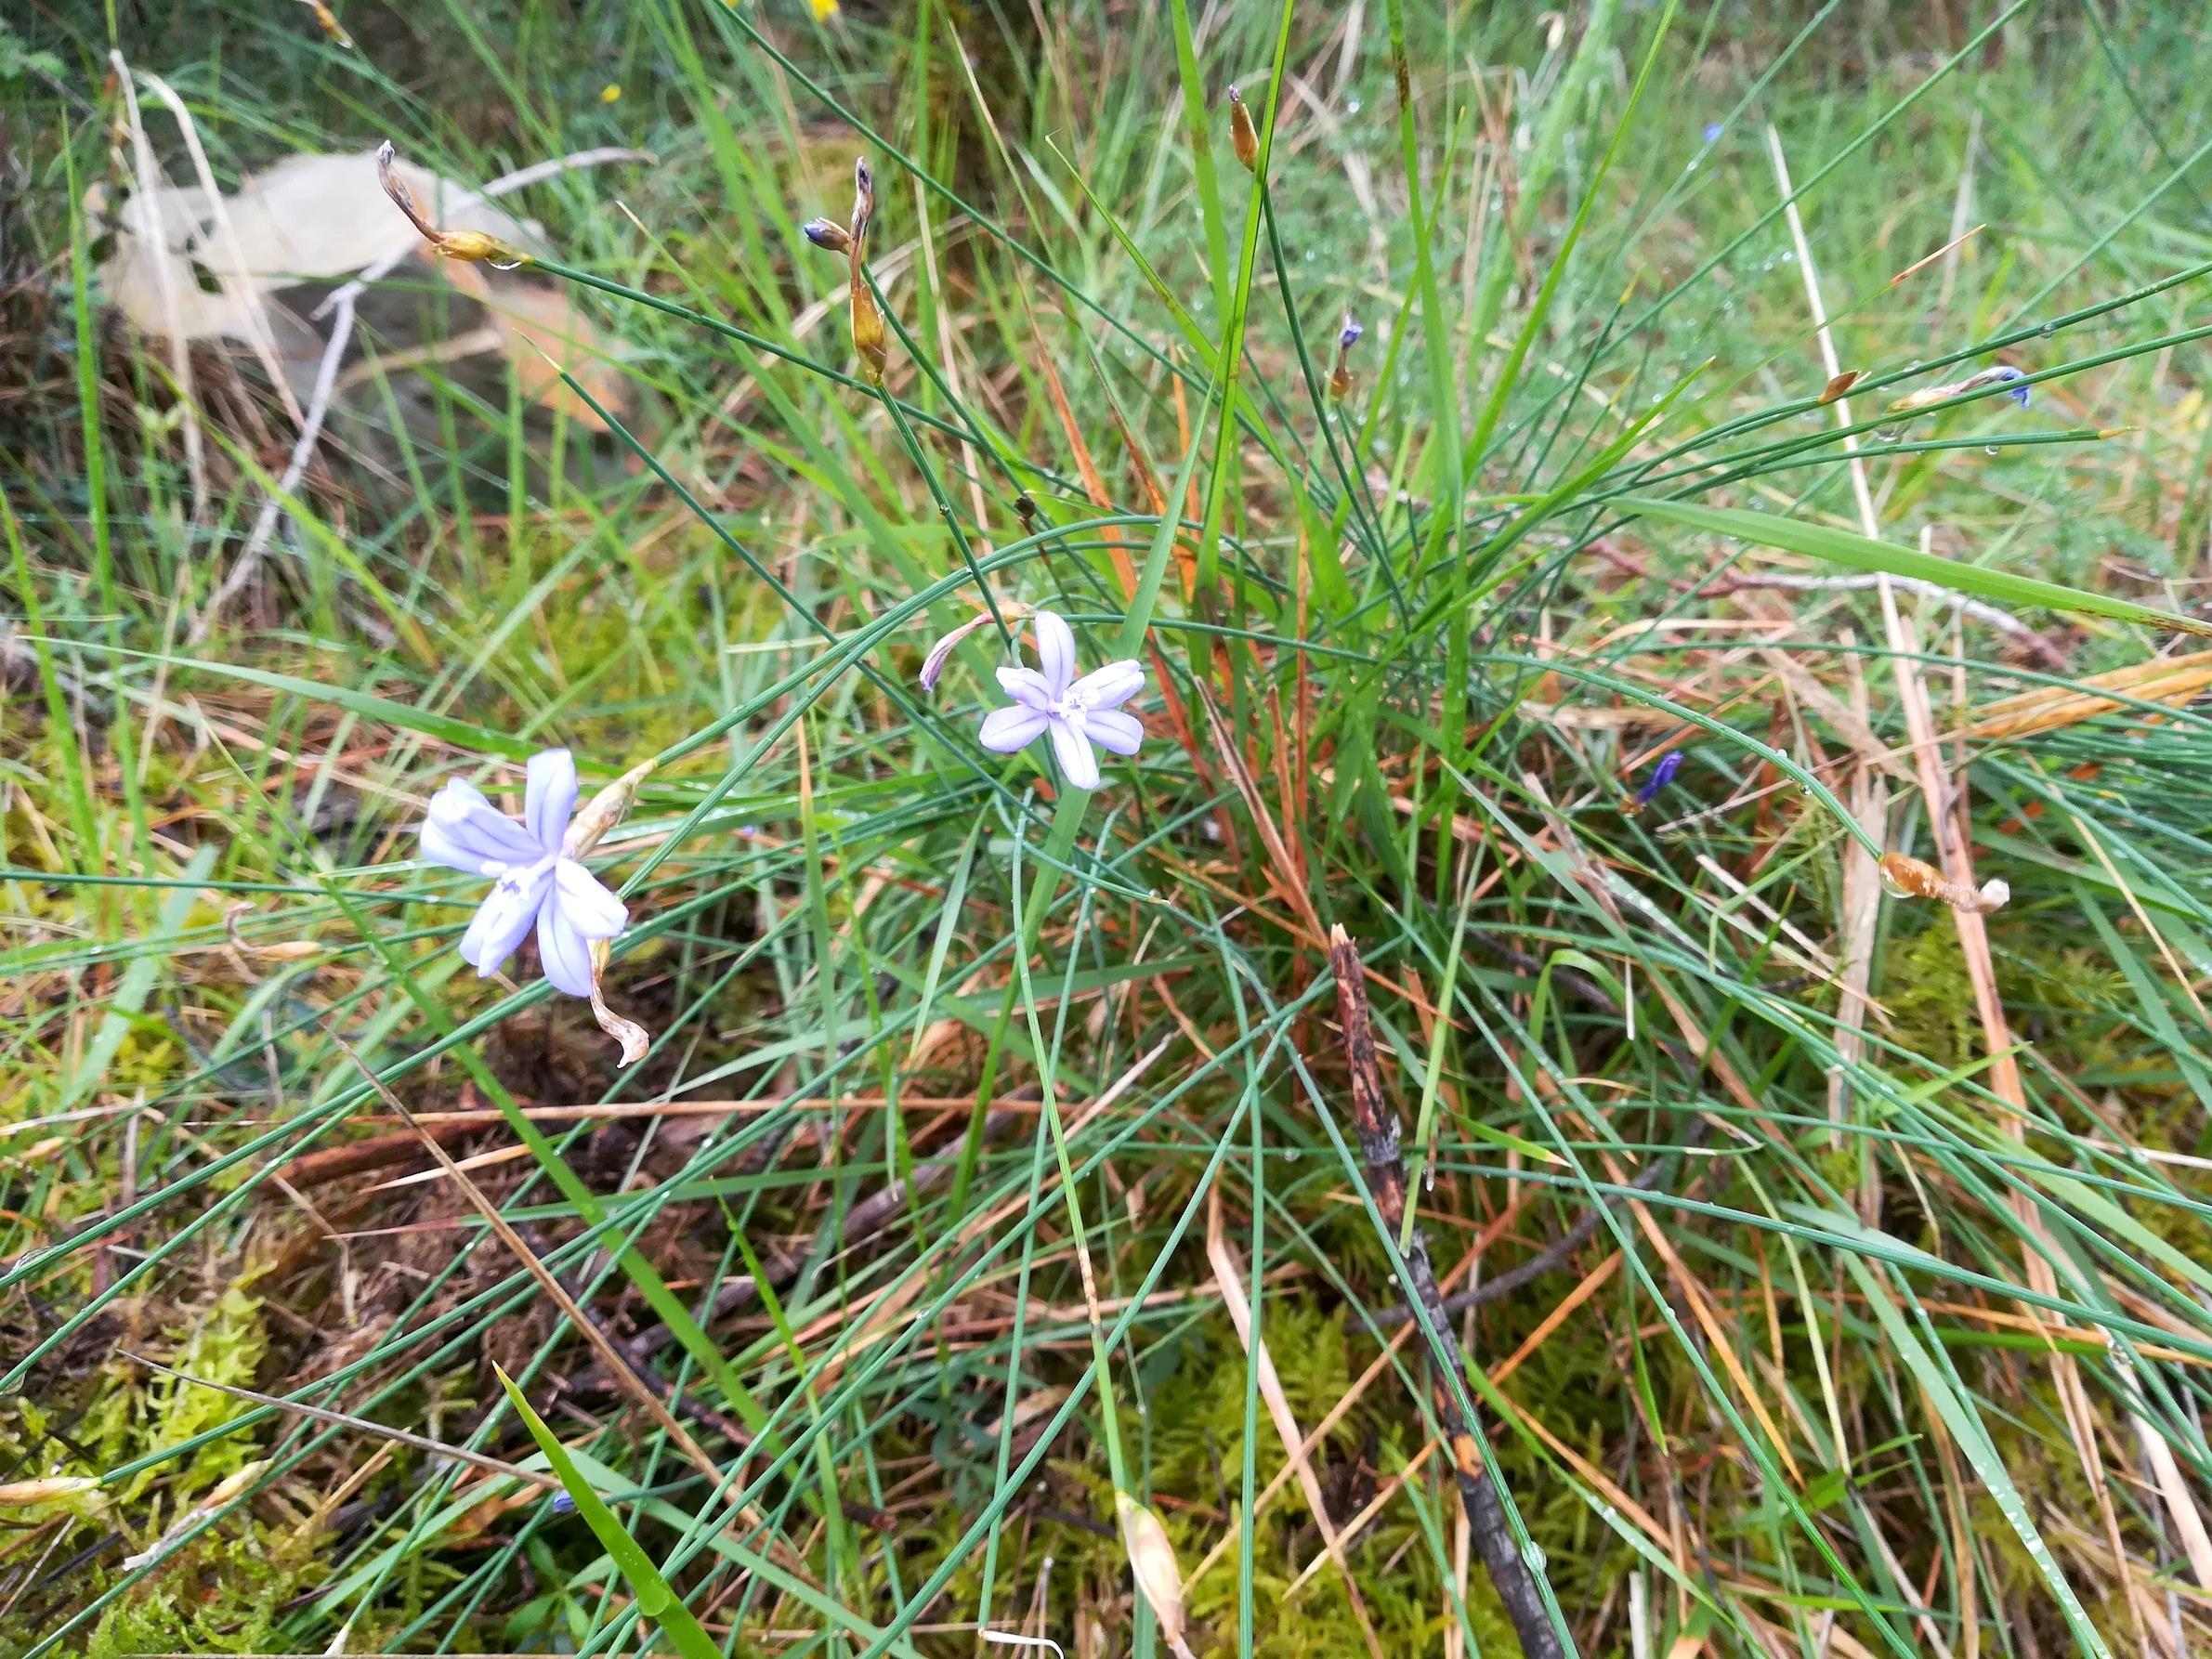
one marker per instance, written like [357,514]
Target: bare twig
[1555,1255]
[1377,1122]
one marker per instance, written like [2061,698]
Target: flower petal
[503,920]
[1078,764]
[1027,687]
[563,950]
[1114,731]
[465,831]
[1005,730]
[550,797]
[1108,687]
[1055,651]
[585,901]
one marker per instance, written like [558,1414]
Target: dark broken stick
[1377,1121]
[1555,1255]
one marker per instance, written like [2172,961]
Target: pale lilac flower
[1076,713]
[538,881]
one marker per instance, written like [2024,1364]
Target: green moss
[221,1594]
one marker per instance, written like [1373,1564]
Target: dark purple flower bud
[1661,776]
[1350,337]
[827,233]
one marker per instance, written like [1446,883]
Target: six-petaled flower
[1078,713]
[537,881]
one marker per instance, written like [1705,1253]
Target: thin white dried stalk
[230,268]
[1861,909]
[151,185]
[1958,866]
[1980,612]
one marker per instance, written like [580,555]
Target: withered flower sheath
[1909,878]
[868,323]
[470,245]
[2004,374]
[1242,134]
[1152,1564]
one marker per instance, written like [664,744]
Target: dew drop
[2048,330]
[1989,449]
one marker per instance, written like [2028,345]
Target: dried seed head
[1909,878]
[16,1494]
[331,26]
[634,1038]
[827,233]
[474,246]
[867,327]
[1841,384]
[868,321]
[1152,1559]
[1025,509]
[1339,378]
[603,812]
[232,1485]
[1241,132]
[863,204]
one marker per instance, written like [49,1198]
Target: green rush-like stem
[1067,824]
[1231,356]
[1424,1132]
[1508,375]
[1070,1193]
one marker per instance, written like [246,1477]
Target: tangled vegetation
[1617,1063]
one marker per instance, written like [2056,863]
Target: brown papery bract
[1241,132]
[1910,878]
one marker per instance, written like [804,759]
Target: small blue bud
[1712,132]
[1350,337]
[563,1504]
[1661,776]
[2005,377]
